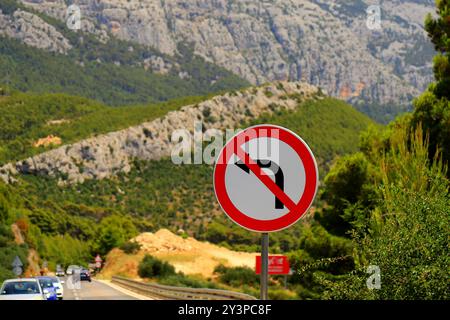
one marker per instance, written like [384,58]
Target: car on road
[22,289]
[59,271]
[59,288]
[48,288]
[85,275]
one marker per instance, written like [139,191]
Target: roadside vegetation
[9,249]
[242,279]
[154,269]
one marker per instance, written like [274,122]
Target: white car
[58,284]
[22,289]
[59,271]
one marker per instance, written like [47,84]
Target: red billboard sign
[277,265]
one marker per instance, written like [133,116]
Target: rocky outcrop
[102,156]
[326,43]
[158,65]
[33,31]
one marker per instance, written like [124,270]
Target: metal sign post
[264,265]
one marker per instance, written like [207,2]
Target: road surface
[97,290]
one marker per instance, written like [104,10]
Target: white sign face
[283,165]
[265,178]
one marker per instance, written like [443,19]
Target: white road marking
[75,294]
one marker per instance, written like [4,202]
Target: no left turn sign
[266,178]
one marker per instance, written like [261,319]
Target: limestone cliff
[322,42]
[33,31]
[102,156]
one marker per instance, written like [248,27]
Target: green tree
[4,205]
[432,109]
[439,32]
[348,187]
[114,231]
[408,239]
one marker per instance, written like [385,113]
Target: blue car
[48,288]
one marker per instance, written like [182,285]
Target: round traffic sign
[266,178]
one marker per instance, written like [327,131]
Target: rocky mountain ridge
[32,30]
[325,43]
[104,155]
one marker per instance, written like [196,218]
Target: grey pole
[264,265]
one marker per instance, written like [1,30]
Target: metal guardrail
[164,292]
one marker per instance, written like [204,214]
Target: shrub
[151,267]
[237,276]
[130,247]
[181,280]
[281,294]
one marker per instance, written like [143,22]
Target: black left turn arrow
[272,166]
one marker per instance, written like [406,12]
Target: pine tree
[432,108]
[439,32]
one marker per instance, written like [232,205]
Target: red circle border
[307,198]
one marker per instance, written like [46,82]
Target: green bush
[408,237]
[281,294]
[181,280]
[151,267]
[130,247]
[237,276]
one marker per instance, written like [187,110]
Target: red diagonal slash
[264,178]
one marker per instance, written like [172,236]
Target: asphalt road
[95,290]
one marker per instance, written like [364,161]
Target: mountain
[325,43]
[54,119]
[71,189]
[41,54]
[107,154]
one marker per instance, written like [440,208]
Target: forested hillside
[26,118]
[114,72]
[98,215]
[107,75]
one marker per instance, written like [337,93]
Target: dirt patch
[188,255]
[18,237]
[33,264]
[50,140]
